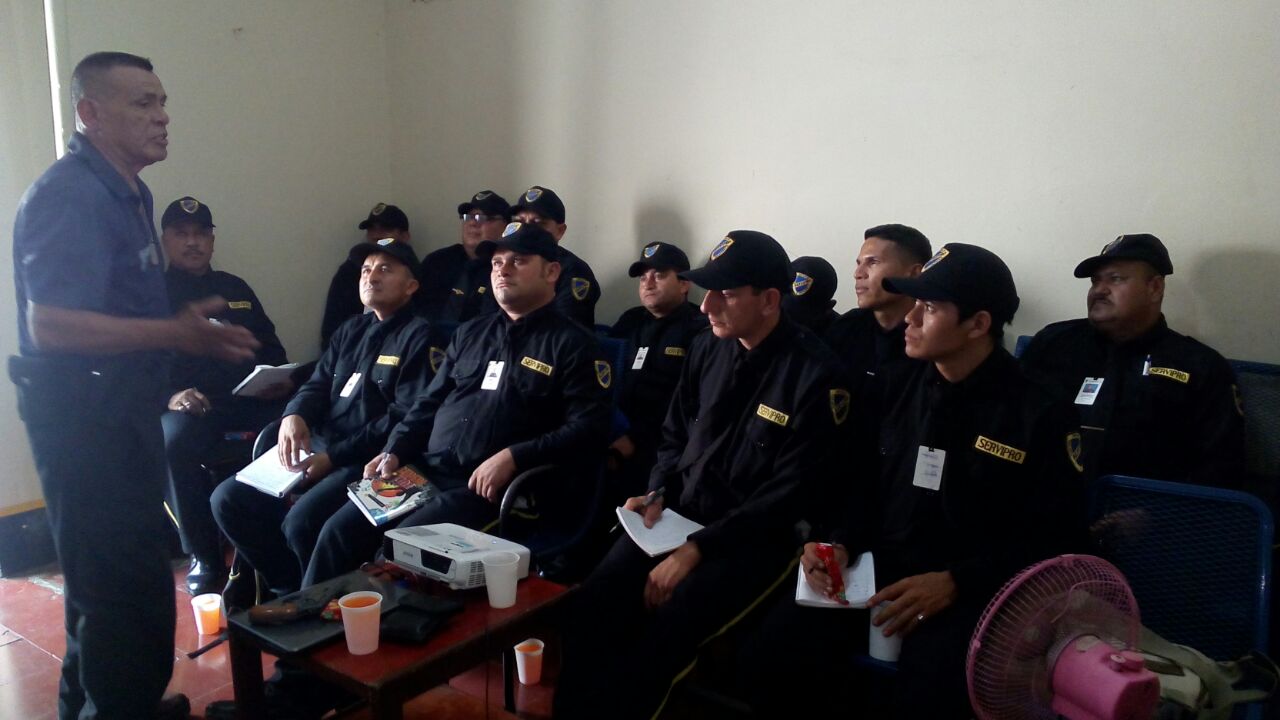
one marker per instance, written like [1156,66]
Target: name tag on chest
[641,354]
[350,387]
[492,375]
[929,462]
[1089,390]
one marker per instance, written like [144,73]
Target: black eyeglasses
[479,218]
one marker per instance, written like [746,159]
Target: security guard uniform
[813,286]
[656,350]
[577,291]
[455,288]
[1165,406]
[84,240]
[749,439]
[363,385]
[191,439]
[537,386]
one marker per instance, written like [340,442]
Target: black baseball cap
[186,209]
[659,256]
[744,257]
[543,201]
[1141,246]
[389,246]
[813,280]
[524,238]
[969,276]
[387,216]
[487,202]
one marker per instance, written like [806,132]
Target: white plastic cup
[529,661]
[879,646]
[208,611]
[361,620]
[500,569]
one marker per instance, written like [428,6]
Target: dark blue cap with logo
[487,202]
[401,251]
[1140,246]
[543,201]
[659,256]
[744,257]
[969,276]
[523,238]
[186,209]
[387,216]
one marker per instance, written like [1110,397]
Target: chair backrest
[615,351]
[1021,345]
[1197,558]
[1259,386]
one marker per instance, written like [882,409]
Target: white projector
[449,553]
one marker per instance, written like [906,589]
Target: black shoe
[205,577]
[241,591]
[174,707]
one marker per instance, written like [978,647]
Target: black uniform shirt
[577,291]
[213,377]
[549,404]
[863,346]
[455,288]
[646,391]
[1179,421]
[750,436]
[1010,492]
[392,360]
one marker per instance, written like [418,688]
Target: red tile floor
[32,644]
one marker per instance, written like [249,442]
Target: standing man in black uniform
[870,336]
[201,407]
[1153,403]
[343,299]
[980,477]
[754,425]
[658,333]
[519,388]
[577,291]
[811,302]
[93,327]
[363,385]
[455,281]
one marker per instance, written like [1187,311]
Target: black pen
[653,497]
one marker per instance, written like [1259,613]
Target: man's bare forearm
[56,329]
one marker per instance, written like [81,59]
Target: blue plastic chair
[1198,559]
[1259,385]
[1021,345]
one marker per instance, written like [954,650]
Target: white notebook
[268,475]
[669,533]
[859,586]
[263,377]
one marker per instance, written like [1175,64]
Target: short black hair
[90,70]
[996,332]
[908,239]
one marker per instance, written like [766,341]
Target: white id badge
[493,375]
[641,354]
[350,387]
[929,463]
[1089,391]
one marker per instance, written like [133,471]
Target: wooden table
[394,674]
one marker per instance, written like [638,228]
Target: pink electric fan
[1059,640]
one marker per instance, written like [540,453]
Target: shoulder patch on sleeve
[604,374]
[435,356]
[580,287]
[840,402]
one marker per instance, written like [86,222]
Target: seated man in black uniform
[343,300]
[519,388]
[658,332]
[756,417]
[869,337]
[1153,403]
[811,302]
[577,291]
[979,478]
[363,385]
[455,281]
[201,407]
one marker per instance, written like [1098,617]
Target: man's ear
[553,271]
[915,270]
[87,113]
[1156,290]
[772,301]
[981,324]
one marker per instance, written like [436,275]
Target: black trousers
[190,441]
[348,539]
[275,537]
[621,659]
[100,455]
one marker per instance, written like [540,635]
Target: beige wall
[1041,130]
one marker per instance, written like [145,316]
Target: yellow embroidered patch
[1180,376]
[604,374]
[840,403]
[392,360]
[1000,450]
[1073,450]
[674,351]
[776,417]
[536,365]
[240,305]
[435,356]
